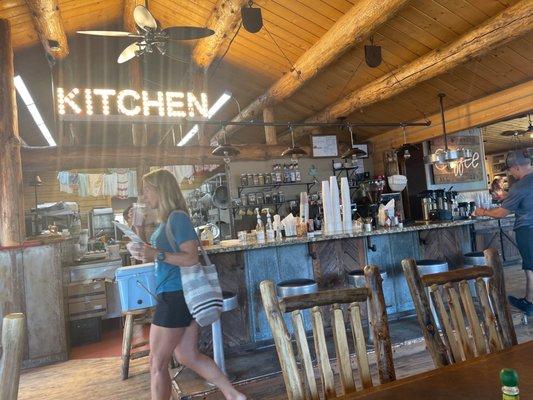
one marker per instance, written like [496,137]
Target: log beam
[510,24]
[364,18]
[49,26]
[270,131]
[489,109]
[224,20]
[12,230]
[65,158]
[139,133]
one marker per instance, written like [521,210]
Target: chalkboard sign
[468,170]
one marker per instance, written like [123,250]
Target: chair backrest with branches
[488,326]
[302,384]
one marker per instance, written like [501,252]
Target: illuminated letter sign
[108,104]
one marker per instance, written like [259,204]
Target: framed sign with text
[324,145]
[467,170]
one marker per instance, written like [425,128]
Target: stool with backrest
[458,342]
[356,278]
[304,386]
[229,303]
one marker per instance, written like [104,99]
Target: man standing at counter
[520,202]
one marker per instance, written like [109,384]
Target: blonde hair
[168,191]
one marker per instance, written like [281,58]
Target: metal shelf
[308,185]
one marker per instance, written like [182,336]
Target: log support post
[13,346]
[270,131]
[12,229]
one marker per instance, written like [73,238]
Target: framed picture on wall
[363,147]
[324,145]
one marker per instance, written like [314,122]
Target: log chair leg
[126,345]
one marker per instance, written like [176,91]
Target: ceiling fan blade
[187,32]
[110,33]
[143,18]
[128,53]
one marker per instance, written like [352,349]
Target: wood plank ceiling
[496,143]
[254,61]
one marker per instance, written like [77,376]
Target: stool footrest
[139,354]
[139,344]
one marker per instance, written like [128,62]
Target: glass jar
[244,199]
[256,179]
[250,179]
[261,180]
[251,199]
[268,179]
[259,198]
[244,180]
[281,197]
[268,198]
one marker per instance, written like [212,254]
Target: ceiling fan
[150,35]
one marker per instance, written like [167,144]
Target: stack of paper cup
[346,206]
[335,204]
[327,224]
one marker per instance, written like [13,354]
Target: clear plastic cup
[138,212]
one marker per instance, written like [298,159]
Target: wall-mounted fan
[151,36]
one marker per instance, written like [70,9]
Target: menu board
[468,170]
[324,145]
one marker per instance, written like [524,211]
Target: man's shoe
[522,304]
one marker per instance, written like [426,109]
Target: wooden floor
[99,378]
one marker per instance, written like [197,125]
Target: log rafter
[510,24]
[64,158]
[356,25]
[49,26]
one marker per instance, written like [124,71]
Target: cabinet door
[382,257]
[260,264]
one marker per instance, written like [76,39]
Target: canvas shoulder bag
[201,287]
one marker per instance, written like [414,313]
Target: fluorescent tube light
[32,108]
[210,113]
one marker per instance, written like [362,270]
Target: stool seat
[474,258]
[230,301]
[357,279]
[429,266]
[294,287]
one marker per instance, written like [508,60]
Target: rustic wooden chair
[302,385]
[492,330]
[12,349]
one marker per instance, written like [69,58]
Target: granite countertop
[234,245]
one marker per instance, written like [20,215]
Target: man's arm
[498,212]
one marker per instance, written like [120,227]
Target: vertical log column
[270,131]
[11,191]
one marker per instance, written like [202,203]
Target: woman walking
[173,329]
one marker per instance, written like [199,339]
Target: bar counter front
[327,260]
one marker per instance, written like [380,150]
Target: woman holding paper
[173,329]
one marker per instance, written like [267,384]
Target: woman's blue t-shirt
[168,276]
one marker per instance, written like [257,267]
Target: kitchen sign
[467,170]
[129,105]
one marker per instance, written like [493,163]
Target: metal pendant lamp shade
[447,156]
[530,127]
[225,150]
[353,151]
[293,151]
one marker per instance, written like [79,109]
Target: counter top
[233,245]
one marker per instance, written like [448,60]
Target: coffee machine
[439,205]
[428,203]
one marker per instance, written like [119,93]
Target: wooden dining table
[476,379]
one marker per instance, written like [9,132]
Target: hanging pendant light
[353,152]
[405,146]
[293,151]
[225,150]
[447,156]
[530,127]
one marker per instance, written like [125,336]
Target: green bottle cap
[509,377]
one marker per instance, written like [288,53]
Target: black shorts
[171,311]
[524,240]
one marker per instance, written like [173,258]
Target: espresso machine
[439,205]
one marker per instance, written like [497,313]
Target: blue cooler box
[137,286]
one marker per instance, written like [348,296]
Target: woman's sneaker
[522,304]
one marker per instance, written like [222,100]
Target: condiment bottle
[259,228]
[509,381]
[269,228]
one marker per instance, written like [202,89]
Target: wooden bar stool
[133,318]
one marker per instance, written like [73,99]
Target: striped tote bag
[201,287]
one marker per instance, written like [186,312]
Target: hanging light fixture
[252,20]
[405,146]
[225,150]
[447,156]
[353,152]
[293,151]
[530,127]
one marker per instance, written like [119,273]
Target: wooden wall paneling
[445,244]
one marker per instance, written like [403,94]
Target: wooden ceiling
[496,143]
[253,62]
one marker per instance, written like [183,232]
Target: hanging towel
[122,184]
[132,183]
[64,181]
[110,185]
[83,185]
[96,184]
